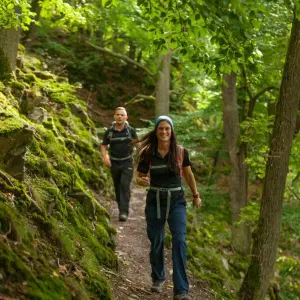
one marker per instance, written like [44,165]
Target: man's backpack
[111,130]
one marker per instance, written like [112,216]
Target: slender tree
[29,35]
[8,50]
[266,238]
[162,105]
[237,155]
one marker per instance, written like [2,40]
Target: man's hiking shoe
[182,297]
[157,286]
[123,217]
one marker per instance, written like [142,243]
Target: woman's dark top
[162,176]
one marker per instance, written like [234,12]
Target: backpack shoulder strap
[180,157]
[110,132]
[129,132]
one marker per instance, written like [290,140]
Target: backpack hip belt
[120,159]
[168,190]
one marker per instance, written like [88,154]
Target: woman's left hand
[197,202]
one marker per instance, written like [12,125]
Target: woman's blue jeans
[156,234]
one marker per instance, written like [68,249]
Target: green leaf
[107,3]
[10,6]
[255,23]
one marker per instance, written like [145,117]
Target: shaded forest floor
[133,280]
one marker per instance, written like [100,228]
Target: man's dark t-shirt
[119,142]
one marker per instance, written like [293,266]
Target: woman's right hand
[197,201]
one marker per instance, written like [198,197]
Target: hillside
[54,234]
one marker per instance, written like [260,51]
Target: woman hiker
[162,164]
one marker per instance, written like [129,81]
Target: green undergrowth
[213,261]
[288,263]
[54,234]
[211,258]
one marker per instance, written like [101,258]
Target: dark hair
[148,146]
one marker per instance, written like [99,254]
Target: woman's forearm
[190,180]
[192,183]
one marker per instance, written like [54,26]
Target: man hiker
[119,139]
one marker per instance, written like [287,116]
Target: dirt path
[133,280]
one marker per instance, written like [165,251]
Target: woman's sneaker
[182,297]
[157,286]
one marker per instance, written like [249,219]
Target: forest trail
[133,279]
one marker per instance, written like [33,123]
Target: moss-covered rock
[29,78]
[18,85]
[2,86]
[15,136]
[44,75]
[38,115]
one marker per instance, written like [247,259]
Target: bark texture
[298,119]
[162,106]
[9,39]
[266,239]
[239,171]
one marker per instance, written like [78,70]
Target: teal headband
[164,118]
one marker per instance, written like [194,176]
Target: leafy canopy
[15,13]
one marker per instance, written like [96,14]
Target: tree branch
[246,86]
[254,99]
[178,93]
[139,98]
[264,91]
[122,57]
[293,192]
[3,175]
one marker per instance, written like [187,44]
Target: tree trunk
[31,33]
[132,50]
[9,39]
[266,239]
[297,121]
[239,170]
[162,105]
[139,56]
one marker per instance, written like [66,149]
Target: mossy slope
[54,236]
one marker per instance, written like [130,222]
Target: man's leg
[116,176]
[126,177]
[177,224]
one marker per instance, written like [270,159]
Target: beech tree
[266,238]
[162,104]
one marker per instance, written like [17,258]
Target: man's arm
[105,156]
[133,134]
